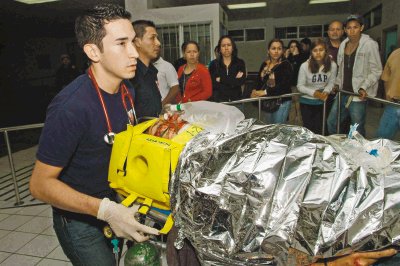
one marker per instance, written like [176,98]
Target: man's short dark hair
[89,27]
[140,27]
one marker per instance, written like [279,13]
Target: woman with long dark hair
[194,79]
[316,80]
[294,56]
[274,79]
[228,72]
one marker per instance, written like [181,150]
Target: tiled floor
[27,236]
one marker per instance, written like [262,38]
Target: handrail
[247,100]
[23,127]
[357,95]
[371,98]
[259,99]
[5,130]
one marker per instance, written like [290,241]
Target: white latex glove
[122,221]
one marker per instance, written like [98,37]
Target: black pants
[312,117]
[180,257]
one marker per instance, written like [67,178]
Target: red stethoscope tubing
[124,93]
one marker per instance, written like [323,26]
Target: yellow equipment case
[141,166]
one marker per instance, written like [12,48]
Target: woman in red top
[194,78]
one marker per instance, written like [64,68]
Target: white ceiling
[67,10]
[274,8]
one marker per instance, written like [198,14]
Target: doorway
[390,41]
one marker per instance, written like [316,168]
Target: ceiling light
[32,2]
[326,1]
[249,5]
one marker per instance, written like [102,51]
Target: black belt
[68,216]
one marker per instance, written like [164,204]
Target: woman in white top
[316,80]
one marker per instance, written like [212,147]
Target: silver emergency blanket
[246,198]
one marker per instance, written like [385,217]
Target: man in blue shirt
[71,171]
[148,97]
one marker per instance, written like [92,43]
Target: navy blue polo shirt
[147,93]
[73,136]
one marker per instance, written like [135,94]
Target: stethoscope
[110,135]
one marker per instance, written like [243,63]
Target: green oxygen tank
[142,254]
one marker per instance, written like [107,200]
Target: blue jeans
[278,117]
[356,110]
[389,123]
[84,242]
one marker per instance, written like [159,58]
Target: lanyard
[109,137]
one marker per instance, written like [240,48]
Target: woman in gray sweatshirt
[316,80]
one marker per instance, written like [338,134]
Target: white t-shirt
[167,76]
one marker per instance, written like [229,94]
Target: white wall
[182,14]
[255,52]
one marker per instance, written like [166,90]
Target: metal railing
[10,157]
[248,100]
[260,99]
[339,105]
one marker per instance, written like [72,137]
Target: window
[311,31]
[296,32]
[367,21]
[280,33]
[291,32]
[237,35]
[170,40]
[286,33]
[255,34]
[168,35]
[373,17]
[377,15]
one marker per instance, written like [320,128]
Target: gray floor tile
[35,225]
[50,262]
[58,254]
[10,210]
[20,260]
[3,216]
[14,221]
[4,255]
[21,158]
[48,212]
[32,210]
[40,246]
[15,240]
[4,233]
[49,231]
[3,203]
